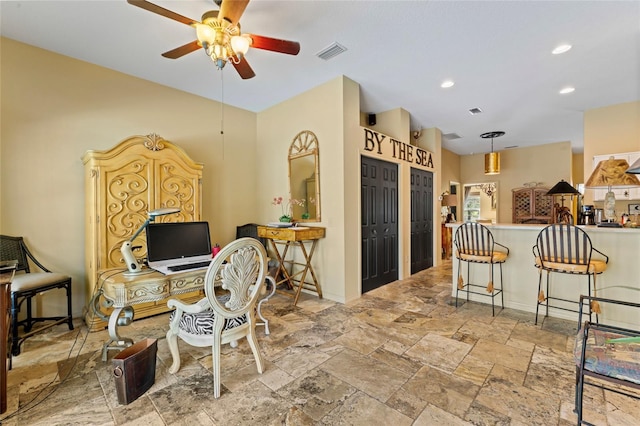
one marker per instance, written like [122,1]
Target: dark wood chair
[27,285]
[566,249]
[607,356]
[475,244]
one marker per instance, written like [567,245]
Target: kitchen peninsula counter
[620,281]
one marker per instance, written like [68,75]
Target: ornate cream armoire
[122,184]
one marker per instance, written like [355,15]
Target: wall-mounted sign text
[376,142]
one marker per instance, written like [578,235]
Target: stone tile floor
[401,355]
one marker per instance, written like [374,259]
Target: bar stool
[475,244]
[566,249]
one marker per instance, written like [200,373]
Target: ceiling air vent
[474,111]
[333,50]
[451,136]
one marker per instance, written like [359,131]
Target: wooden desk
[121,291]
[291,238]
[7,269]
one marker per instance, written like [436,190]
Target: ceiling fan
[220,36]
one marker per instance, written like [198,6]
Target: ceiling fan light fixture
[240,45]
[205,34]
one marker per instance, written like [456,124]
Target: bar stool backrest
[474,239]
[564,243]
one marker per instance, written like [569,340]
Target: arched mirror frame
[301,183]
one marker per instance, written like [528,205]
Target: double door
[379,222]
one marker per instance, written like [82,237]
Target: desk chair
[475,244]
[251,230]
[227,313]
[566,249]
[27,285]
[609,354]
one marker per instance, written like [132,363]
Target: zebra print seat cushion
[202,322]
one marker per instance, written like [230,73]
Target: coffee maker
[587,215]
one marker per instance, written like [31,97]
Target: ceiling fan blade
[162,11]
[274,44]
[231,10]
[178,52]
[243,67]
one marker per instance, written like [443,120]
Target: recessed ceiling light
[561,49]
[446,84]
[566,90]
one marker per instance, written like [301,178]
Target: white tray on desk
[279,224]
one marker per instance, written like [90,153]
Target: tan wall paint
[547,164]
[322,111]
[450,169]
[394,123]
[610,130]
[54,109]
[577,173]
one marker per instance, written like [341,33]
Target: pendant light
[492,159]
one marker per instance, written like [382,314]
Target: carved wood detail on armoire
[122,184]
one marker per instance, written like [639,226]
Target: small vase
[285,219]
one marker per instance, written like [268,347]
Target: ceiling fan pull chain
[222,106]
[222,110]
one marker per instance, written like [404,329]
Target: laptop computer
[177,247]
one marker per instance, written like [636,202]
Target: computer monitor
[177,240]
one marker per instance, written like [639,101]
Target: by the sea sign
[382,145]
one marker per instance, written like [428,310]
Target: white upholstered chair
[233,284]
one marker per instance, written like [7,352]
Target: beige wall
[610,130]
[547,164]
[322,110]
[54,108]
[450,170]
[394,123]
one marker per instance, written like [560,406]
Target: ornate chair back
[233,285]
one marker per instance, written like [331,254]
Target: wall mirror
[304,177]
[480,202]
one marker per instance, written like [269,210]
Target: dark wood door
[421,220]
[379,201]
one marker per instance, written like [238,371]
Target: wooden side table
[7,269]
[446,242]
[293,237]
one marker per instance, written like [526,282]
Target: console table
[7,269]
[122,290]
[293,237]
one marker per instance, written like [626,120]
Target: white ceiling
[497,52]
